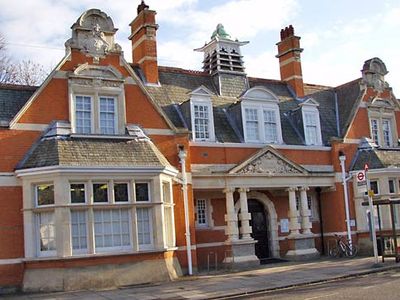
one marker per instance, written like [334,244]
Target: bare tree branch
[25,72]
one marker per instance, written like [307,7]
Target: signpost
[361,182]
[371,214]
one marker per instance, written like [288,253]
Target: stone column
[294,225]
[231,228]
[244,216]
[306,224]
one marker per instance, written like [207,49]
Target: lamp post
[342,159]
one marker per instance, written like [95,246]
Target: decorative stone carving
[270,164]
[93,34]
[95,82]
[373,72]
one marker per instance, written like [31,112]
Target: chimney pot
[289,59]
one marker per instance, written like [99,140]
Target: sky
[337,36]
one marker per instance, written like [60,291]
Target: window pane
[270,126]
[77,193]
[387,139]
[100,192]
[201,212]
[83,114]
[78,230]
[374,186]
[392,188]
[166,192]
[144,226]
[111,230]
[201,122]
[45,194]
[311,129]
[142,191]
[46,231]
[374,131]
[107,115]
[121,192]
[251,118]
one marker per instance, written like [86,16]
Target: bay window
[101,216]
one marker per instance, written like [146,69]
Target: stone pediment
[268,162]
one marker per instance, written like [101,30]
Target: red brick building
[110,169]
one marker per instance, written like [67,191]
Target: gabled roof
[270,162]
[12,99]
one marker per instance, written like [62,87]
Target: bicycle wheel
[334,252]
[351,251]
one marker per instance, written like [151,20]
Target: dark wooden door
[259,227]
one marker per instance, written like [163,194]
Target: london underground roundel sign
[361,176]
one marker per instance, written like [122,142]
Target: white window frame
[37,196]
[129,191]
[91,113]
[113,248]
[394,180]
[148,191]
[39,251]
[86,192]
[109,195]
[151,220]
[95,95]
[82,250]
[388,143]
[115,113]
[375,114]
[312,110]
[202,100]
[206,209]
[377,185]
[260,108]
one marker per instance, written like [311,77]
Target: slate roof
[377,159]
[90,152]
[176,85]
[12,98]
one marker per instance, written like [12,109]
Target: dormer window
[261,118]
[201,120]
[311,128]
[199,114]
[311,122]
[382,122]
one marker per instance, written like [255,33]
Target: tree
[25,72]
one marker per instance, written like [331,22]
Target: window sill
[102,136]
[94,255]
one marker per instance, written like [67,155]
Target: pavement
[228,284]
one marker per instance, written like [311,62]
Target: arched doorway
[259,225]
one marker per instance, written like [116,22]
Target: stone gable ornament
[268,164]
[95,44]
[93,34]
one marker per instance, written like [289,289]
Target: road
[385,285]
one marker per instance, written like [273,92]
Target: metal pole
[182,157]
[342,159]
[372,219]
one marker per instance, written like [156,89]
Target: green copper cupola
[222,53]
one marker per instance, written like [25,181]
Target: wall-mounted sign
[284,225]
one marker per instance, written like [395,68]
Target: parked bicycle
[343,248]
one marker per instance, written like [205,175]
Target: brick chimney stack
[144,42]
[289,60]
